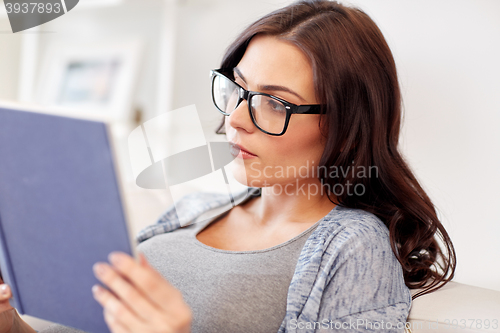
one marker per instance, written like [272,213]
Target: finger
[118,314]
[145,278]
[113,325]
[138,303]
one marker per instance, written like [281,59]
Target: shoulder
[358,220]
[362,271]
[352,238]
[354,231]
[347,269]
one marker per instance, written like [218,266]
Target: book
[60,212]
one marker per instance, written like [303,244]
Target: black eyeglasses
[269,113]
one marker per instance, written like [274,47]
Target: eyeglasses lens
[269,113]
[225,94]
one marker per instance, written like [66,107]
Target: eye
[275,106]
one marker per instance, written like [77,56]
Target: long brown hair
[355,79]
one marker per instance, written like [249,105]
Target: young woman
[335,229]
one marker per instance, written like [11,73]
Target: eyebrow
[268,87]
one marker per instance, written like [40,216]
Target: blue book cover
[60,212]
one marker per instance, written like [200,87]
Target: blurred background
[132,60]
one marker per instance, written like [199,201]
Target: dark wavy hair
[355,79]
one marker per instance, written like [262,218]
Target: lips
[235,149]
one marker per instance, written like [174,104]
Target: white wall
[9,60]
[447,55]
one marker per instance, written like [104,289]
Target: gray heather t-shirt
[228,291]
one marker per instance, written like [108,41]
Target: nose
[240,117]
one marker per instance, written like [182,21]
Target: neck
[302,201]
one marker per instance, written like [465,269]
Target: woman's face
[279,68]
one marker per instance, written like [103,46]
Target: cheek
[303,146]
[303,140]
[303,149]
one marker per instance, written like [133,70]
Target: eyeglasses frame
[244,94]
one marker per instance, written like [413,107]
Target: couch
[456,307]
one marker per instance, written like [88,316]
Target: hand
[140,300]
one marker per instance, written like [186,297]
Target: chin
[238,171]
[241,173]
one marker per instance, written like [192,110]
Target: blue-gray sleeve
[366,290]
[389,319]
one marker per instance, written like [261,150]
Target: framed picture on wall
[97,79]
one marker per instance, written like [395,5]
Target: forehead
[270,60]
